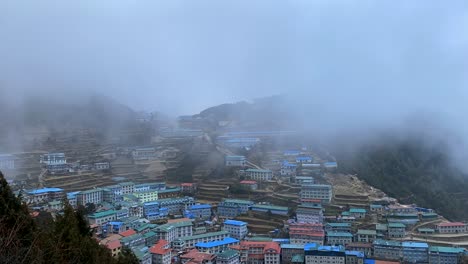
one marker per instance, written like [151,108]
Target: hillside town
[287,205]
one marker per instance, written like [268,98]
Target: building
[174,230]
[304,180]
[306,233]
[44,195]
[304,159]
[144,154]
[7,162]
[216,246]
[396,230]
[146,196]
[415,252]
[115,247]
[289,153]
[195,257]
[289,251]
[259,175]
[227,257]
[259,252]
[235,161]
[288,169]
[331,165]
[238,142]
[324,254]
[236,229]
[233,207]
[278,210]
[309,213]
[190,241]
[358,213]
[366,248]
[451,227]
[101,165]
[102,218]
[338,227]
[376,208]
[94,196]
[249,185]
[199,211]
[365,235]
[387,249]
[445,255]
[153,211]
[161,252]
[127,187]
[188,187]
[172,192]
[339,238]
[176,205]
[55,162]
[354,257]
[321,192]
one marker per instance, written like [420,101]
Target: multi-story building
[115,247]
[306,233]
[451,227]
[415,252]
[366,248]
[190,241]
[102,165]
[193,256]
[259,252]
[445,255]
[354,257]
[259,175]
[339,238]
[174,230]
[358,213]
[338,227]
[304,159]
[309,213]
[396,230]
[152,211]
[249,185]
[289,251]
[376,208]
[233,207]
[199,211]
[235,161]
[279,210]
[171,192]
[146,196]
[304,180]
[236,229]
[94,196]
[387,249]
[288,169]
[176,205]
[216,246]
[55,162]
[367,236]
[127,187]
[324,254]
[101,218]
[188,187]
[7,162]
[44,195]
[227,257]
[144,153]
[161,252]
[322,192]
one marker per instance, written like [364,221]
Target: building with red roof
[196,257]
[452,227]
[249,184]
[305,233]
[161,252]
[259,251]
[188,187]
[128,233]
[115,247]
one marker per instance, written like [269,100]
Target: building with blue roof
[415,252]
[288,169]
[354,257]
[199,211]
[236,229]
[324,254]
[216,246]
[330,165]
[44,195]
[304,159]
[446,255]
[233,207]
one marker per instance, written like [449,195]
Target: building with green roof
[339,238]
[279,210]
[101,218]
[227,257]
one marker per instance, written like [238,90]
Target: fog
[349,63]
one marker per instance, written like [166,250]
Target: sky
[375,59]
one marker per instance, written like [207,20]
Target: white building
[144,153]
[236,229]
[321,192]
[53,159]
[235,161]
[102,165]
[259,175]
[127,187]
[7,162]
[94,196]
[228,257]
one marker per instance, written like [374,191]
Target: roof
[45,190]
[297,258]
[339,224]
[376,206]
[396,225]
[339,234]
[113,244]
[270,207]
[225,241]
[451,224]
[128,233]
[206,235]
[366,232]
[238,201]
[200,206]
[357,210]
[453,250]
[258,170]
[358,254]
[414,244]
[248,182]
[102,214]
[197,257]
[382,242]
[234,222]
[227,254]
[292,246]
[187,184]
[359,245]
[235,157]
[159,247]
[427,230]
